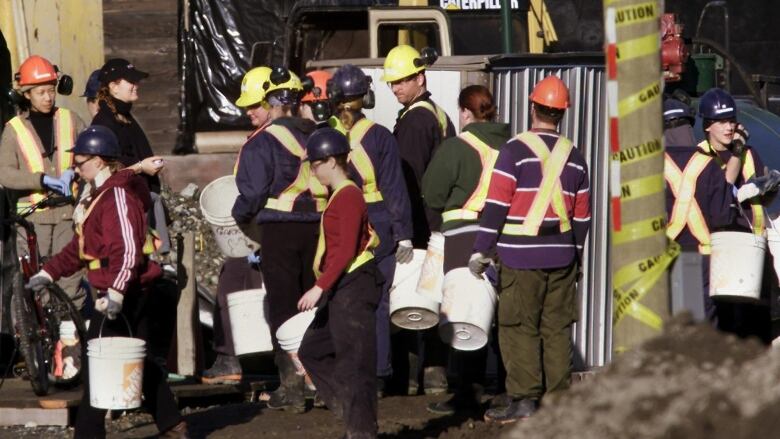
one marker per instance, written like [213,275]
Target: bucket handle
[103,322]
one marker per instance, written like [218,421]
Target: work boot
[178,431]
[464,400]
[435,380]
[225,370]
[515,411]
[290,394]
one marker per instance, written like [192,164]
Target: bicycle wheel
[30,343]
[57,307]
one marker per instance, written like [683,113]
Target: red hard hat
[551,92]
[318,92]
[36,70]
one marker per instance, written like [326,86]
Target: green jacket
[453,173]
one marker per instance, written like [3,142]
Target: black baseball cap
[118,68]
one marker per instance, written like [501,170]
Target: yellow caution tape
[642,187]
[640,230]
[643,97]
[634,14]
[650,149]
[638,47]
[633,271]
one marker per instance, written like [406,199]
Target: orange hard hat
[319,80]
[36,70]
[551,92]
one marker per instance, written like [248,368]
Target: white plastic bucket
[467,309]
[408,309]
[290,334]
[247,310]
[216,204]
[773,242]
[432,275]
[736,266]
[116,371]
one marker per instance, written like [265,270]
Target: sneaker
[435,380]
[226,370]
[515,411]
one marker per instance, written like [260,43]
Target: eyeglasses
[77,164]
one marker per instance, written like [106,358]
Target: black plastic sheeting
[215,51]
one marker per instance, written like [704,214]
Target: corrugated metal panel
[585,123]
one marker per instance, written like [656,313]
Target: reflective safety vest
[31,150]
[362,161]
[305,181]
[250,137]
[151,242]
[440,115]
[550,192]
[335,123]
[748,172]
[475,203]
[368,251]
[686,210]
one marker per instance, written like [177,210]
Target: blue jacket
[265,170]
[395,208]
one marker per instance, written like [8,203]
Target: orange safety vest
[473,206]
[362,162]
[368,251]
[440,114]
[748,172]
[305,181]
[550,192]
[686,210]
[30,149]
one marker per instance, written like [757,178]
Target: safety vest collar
[438,113]
[476,201]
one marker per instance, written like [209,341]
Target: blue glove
[67,178]
[254,258]
[55,184]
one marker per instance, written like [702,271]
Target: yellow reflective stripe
[459,214]
[303,181]
[748,172]
[65,138]
[440,114]
[488,157]
[31,156]
[94,264]
[550,191]
[359,157]
[335,123]
[364,256]
[686,210]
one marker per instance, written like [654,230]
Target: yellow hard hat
[252,91]
[283,79]
[402,61]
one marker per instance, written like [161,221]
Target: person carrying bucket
[278,192]
[338,349]
[536,219]
[376,167]
[725,139]
[456,184]
[698,200]
[111,243]
[238,274]
[420,128]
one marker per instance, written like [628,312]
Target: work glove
[39,282]
[769,182]
[254,258]
[404,252]
[55,184]
[772,181]
[67,178]
[109,303]
[478,263]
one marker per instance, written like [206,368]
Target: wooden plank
[186,314]
[121,6]
[38,416]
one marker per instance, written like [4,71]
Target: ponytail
[104,95]
[348,112]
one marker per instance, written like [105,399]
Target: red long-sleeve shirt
[345,225]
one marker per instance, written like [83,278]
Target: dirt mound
[691,382]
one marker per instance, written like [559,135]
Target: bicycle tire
[52,327]
[30,344]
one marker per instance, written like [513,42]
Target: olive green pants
[536,309]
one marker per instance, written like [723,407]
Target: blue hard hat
[326,142]
[675,109]
[93,85]
[348,82]
[97,140]
[717,104]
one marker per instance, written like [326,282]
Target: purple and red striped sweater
[513,186]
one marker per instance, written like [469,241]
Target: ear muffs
[65,85]
[428,56]
[279,75]
[307,83]
[321,110]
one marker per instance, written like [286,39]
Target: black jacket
[132,140]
